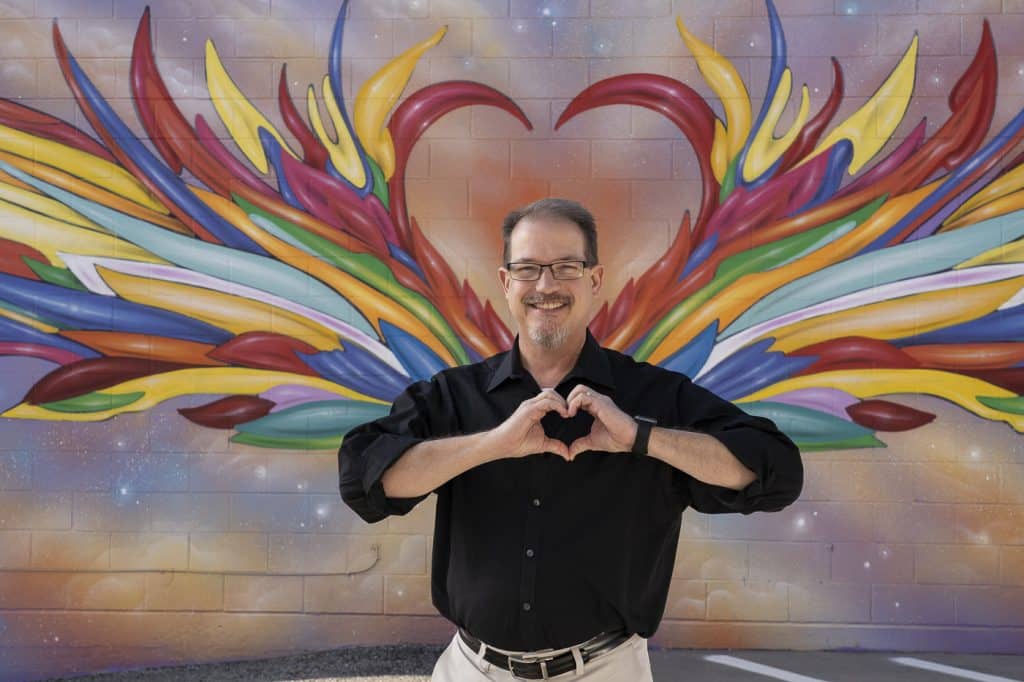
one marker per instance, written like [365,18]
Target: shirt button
[529,552]
[536,502]
[526,606]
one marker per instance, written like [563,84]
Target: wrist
[491,446]
[641,440]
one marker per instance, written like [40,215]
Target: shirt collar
[591,367]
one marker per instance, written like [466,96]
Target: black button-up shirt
[537,552]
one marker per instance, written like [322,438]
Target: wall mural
[821,282]
[301,287]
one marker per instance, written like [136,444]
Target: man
[561,471]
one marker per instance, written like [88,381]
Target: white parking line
[766,670]
[949,670]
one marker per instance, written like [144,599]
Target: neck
[548,366]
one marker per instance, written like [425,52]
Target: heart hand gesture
[613,429]
[522,434]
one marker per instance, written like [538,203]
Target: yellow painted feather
[239,116]
[35,202]
[720,152]
[868,383]
[1005,184]
[87,190]
[378,95]
[50,237]
[82,164]
[343,153]
[901,317]
[765,149]
[999,206]
[870,127]
[725,81]
[236,314]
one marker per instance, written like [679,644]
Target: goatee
[546,335]
[549,338]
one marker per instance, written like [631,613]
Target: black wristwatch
[643,434]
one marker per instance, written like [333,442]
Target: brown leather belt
[541,668]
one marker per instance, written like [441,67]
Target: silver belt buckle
[511,668]
[542,659]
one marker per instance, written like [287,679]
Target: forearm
[701,456]
[427,466]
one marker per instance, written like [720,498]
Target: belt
[539,667]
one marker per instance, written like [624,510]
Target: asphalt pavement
[413,663]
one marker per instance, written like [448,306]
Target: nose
[547,281]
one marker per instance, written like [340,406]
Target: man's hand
[522,434]
[613,429]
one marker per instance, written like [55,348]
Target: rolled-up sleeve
[419,413]
[755,441]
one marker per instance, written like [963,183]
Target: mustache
[536,299]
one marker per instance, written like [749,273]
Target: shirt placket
[535,501]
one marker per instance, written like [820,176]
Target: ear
[505,279]
[596,278]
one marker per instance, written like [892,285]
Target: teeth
[548,306]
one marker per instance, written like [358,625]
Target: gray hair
[564,209]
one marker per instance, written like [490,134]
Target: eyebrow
[527,259]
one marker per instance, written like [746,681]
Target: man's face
[550,311]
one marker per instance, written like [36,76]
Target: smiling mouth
[548,306]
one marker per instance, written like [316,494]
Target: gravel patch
[390,663]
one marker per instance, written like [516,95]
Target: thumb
[580,445]
[556,446]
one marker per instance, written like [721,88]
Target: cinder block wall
[144,540]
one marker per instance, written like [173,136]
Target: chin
[549,338]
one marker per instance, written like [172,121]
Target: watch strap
[643,434]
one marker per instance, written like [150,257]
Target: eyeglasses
[561,269]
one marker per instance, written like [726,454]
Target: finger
[586,400]
[576,390]
[584,390]
[546,402]
[556,404]
[550,394]
[540,410]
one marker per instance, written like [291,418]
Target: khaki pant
[627,662]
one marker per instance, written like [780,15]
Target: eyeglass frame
[551,269]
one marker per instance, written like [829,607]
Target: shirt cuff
[750,456]
[396,447]
[777,468]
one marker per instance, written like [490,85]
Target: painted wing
[820,279]
[289,279]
